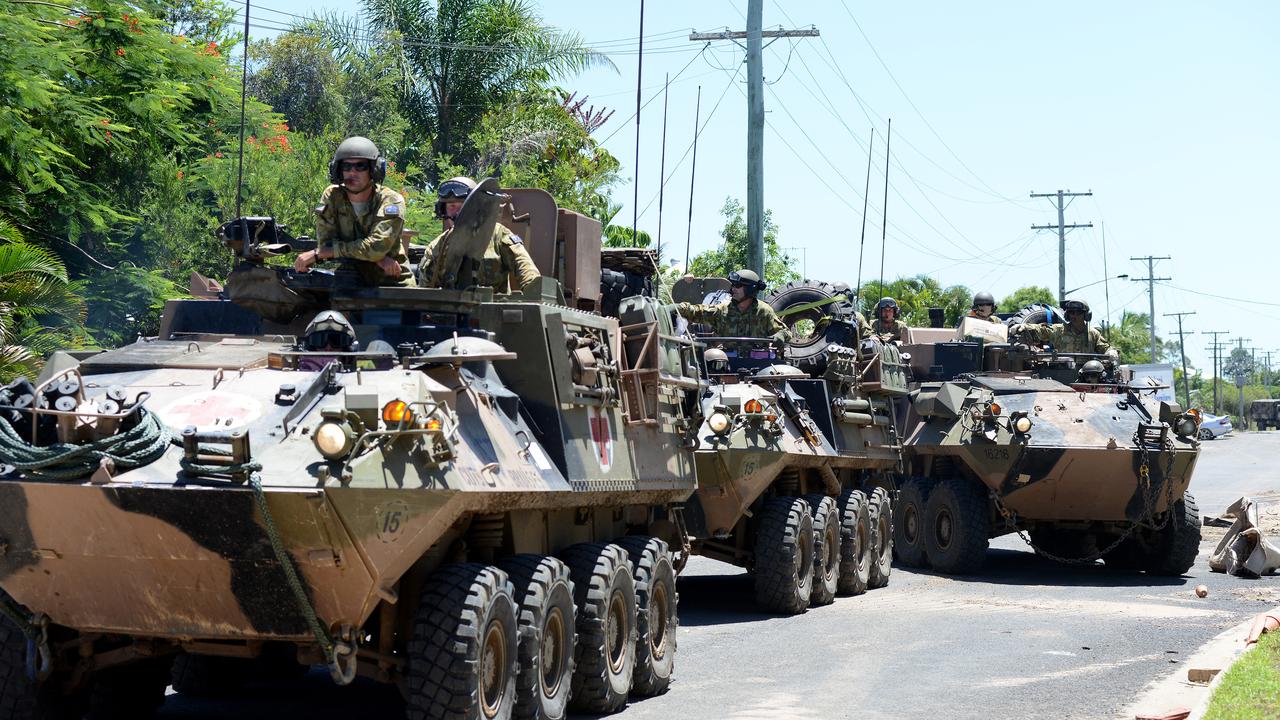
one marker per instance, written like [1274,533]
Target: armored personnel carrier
[1057,447]
[472,496]
[796,467]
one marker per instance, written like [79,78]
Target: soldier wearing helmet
[505,257]
[886,325]
[983,308]
[743,316]
[1076,336]
[359,219]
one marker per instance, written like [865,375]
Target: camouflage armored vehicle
[1265,414]
[796,468]
[472,496]
[1004,438]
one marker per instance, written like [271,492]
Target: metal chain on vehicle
[140,445]
[339,656]
[36,629]
[1148,507]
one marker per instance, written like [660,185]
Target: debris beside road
[1244,550]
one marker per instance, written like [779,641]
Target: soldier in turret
[886,324]
[984,308]
[1076,336]
[359,219]
[743,316]
[505,257]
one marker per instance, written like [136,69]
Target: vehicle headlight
[333,439]
[718,422]
[1020,423]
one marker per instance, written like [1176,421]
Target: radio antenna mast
[244,91]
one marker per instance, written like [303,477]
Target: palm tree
[33,291]
[459,58]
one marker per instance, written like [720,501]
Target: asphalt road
[1026,638]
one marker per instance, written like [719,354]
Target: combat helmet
[1080,305]
[886,302]
[456,188]
[330,330]
[983,298]
[358,148]
[748,279]
[1092,372]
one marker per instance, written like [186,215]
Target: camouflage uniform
[895,330]
[505,255]
[990,318]
[1065,340]
[726,320]
[364,239]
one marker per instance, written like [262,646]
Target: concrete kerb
[1177,691]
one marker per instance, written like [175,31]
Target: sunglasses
[362,166]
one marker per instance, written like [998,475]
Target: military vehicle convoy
[795,467]
[1005,438]
[474,497]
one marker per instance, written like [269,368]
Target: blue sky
[1167,111]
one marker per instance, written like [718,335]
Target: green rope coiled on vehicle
[291,573]
[141,445]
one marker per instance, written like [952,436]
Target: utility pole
[1150,280]
[1266,370]
[1062,234]
[1241,374]
[1215,347]
[755,120]
[1186,381]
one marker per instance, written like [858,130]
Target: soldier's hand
[1017,329]
[390,266]
[304,261]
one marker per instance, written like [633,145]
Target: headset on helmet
[358,148]
[1080,305]
[748,279]
[457,188]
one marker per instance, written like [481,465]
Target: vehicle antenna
[888,138]
[244,91]
[862,243]
[688,238]
[635,200]
[662,165]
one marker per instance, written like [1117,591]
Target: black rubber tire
[616,285]
[1176,545]
[130,692]
[465,624]
[605,654]
[880,515]
[1205,434]
[20,699]
[657,618]
[810,354]
[855,543]
[544,603]
[826,549]
[1036,314]
[908,522]
[957,529]
[208,676]
[784,556]
[1126,557]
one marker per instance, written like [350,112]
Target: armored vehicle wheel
[880,515]
[656,617]
[130,692]
[826,549]
[908,522]
[544,597]
[605,595]
[809,353]
[1125,557]
[462,654]
[1205,434]
[956,526]
[784,556]
[20,699]
[855,543]
[1177,544]
[208,676]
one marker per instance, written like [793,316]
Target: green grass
[1251,688]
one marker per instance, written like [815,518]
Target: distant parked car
[1213,426]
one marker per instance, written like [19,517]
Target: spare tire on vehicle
[1037,314]
[615,285]
[831,322]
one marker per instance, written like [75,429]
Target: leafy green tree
[915,295]
[779,267]
[1132,338]
[463,57]
[39,309]
[1024,296]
